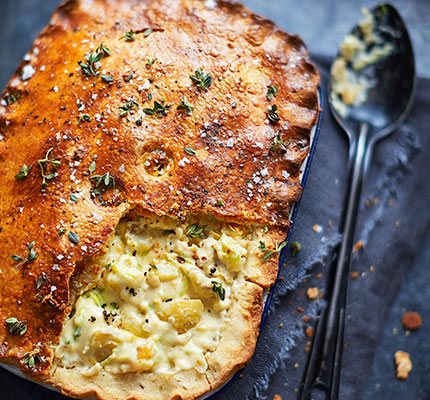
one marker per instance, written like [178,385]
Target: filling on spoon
[349,82]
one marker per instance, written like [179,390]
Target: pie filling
[161,293]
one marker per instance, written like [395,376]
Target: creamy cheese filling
[160,298]
[349,85]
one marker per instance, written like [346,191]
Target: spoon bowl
[391,79]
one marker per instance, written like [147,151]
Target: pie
[150,152]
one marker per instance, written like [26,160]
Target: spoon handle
[322,373]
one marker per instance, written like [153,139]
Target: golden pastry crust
[233,164]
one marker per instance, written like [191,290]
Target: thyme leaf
[74,237]
[268,253]
[159,109]
[190,151]
[127,108]
[200,79]
[185,105]
[272,91]
[16,327]
[44,163]
[23,172]
[195,231]
[130,35]
[84,117]
[218,289]
[277,141]
[272,113]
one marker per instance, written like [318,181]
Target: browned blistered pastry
[150,152]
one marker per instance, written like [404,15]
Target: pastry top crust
[233,174]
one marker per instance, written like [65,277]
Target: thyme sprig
[185,105]
[32,255]
[126,108]
[23,172]
[159,109]
[91,64]
[130,35]
[43,164]
[200,79]
[31,358]
[272,113]
[84,117]
[279,142]
[195,231]
[272,91]
[16,327]
[106,179]
[268,253]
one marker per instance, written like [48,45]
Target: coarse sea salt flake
[27,72]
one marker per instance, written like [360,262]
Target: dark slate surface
[393,229]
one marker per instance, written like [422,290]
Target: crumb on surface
[403,364]
[317,228]
[319,276]
[309,332]
[277,397]
[354,275]
[359,245]
[411,320]
[313,293]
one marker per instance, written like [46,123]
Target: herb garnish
[104,49]
[272,91]
[11,98]
[106,179]
[195,231]
[127,107]
[201,80]
[272,113]
[147,32]
[107,78]
[150,62]
[269,253]
[31,359]
[295,247]
[277,141]
[84,117]
[129,77]
[90,67]
[61,231]
[23,172]
[185,105]
[16,327]
[49,159]
[190,151]
[159,109]
[218,289]
[32,255]
[74,237]
[130,35]
[220,203]
[73,197]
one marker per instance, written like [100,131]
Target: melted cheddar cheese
[160,298]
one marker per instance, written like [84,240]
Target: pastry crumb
[354,275]
[403,364]
[411,320]
[317,228]
[277,397]
[309,332]
[359,245]
[313,293]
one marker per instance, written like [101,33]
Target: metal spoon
[388,103]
